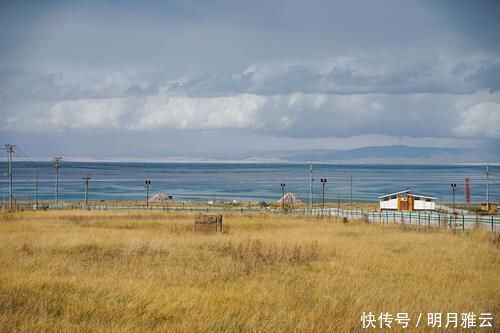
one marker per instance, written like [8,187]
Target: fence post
[492,224]
[463,222]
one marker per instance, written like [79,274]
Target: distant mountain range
[371,152]
[395,154]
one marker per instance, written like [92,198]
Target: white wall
[424,205]
[389,204]
[417,204]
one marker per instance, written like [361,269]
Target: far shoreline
[249,162]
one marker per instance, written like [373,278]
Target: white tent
[160,197]
[290,198]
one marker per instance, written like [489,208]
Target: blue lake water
[226,181]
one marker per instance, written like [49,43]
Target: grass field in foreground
[141,272]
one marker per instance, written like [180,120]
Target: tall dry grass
[141,272]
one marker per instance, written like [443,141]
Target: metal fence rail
[421,219]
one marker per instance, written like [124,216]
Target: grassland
[145,272]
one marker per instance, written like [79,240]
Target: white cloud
[482,119]
[158,112]
[295,115]
[183,112]
[300,107]
[91,114]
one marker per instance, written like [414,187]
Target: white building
[404,200]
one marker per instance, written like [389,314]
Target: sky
[184,79]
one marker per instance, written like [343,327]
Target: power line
[25,157]
[21,154]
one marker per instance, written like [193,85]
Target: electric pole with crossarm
[86,185]
[57,164]
[10,149]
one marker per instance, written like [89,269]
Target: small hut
[404,200]
[161,197]
[489,207]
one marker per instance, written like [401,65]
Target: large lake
[243,181]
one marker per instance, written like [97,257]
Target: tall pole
[487,187]
[36,190]
[467,191]
[323,203]
[57,165]
[453,200]
[311,179]
[147,182]
[453,188]
[323,182]
[86,183]
[283,185]
[350,192]
[10,149]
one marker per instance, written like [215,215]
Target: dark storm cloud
[293,69]
[357,76]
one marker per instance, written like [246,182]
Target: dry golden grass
[140,272]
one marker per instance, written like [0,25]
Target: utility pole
[86,186]
[323,182]
[487,187]
[57,164]
[283,185]
[10,149]
[311,179]
[36,190]
[147,183]
[350,192]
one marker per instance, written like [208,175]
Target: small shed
[406,201]
[489,207]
